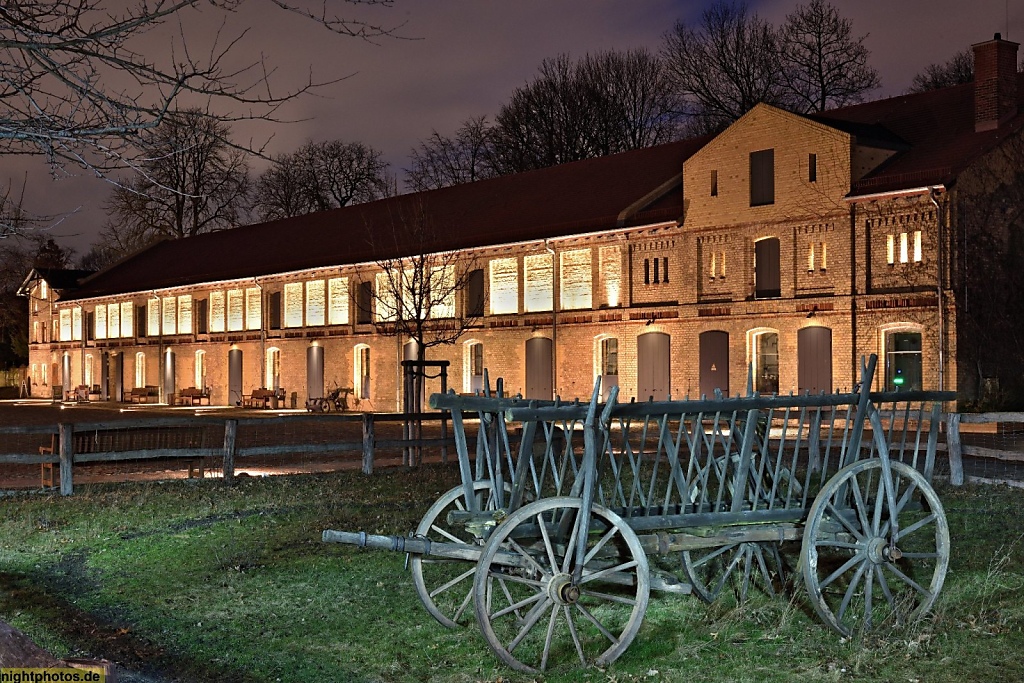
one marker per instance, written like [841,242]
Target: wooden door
[713,362]
[814,358]
[538,369]
[653,366]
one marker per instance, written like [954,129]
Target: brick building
[789,244]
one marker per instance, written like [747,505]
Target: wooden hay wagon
[568,515]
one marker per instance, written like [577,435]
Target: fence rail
[205,436]
[957,449]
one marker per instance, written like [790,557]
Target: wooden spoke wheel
[736,569]
[446,586]
[532,610]
[860,574]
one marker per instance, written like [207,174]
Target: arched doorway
[814,358]
[653,366]
[713,362]
[235,377]
[314,371]
[538,369]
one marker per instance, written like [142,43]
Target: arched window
[361,371]
[606,363]
[902,348]
[273,368]
[89,375]
[763,355]
[472,366]
[200,375]
[140,369]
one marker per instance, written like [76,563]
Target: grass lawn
[194,581]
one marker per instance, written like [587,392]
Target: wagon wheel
[325,405]
[861,576]
[533,612]
[446,586]
[737,568]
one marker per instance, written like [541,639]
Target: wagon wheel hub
[881,551]
[562,590]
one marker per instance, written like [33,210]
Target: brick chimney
[995,83]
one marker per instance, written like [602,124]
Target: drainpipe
[554,317]
[160,345]
[263,332]
[939,215]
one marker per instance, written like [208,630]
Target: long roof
[584,196]
[933,133]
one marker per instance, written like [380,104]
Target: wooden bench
[192,396]
[147,394]
[261,398]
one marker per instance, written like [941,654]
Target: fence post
[956,463]
[230,432]
[367,443]
[67,455]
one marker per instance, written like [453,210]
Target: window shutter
[762,177]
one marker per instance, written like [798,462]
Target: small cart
[569,514]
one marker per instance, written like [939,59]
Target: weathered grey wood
[982,452]
[66,431]
[368,443]
[986,418]
[22,429]
[28,458]
[147,454]
[230,434]
[956,463]
[324,448]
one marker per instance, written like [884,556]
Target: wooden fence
[91,447]
[957,449]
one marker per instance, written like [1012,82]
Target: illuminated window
[273,368]
[200,369]
[538,287]
[388,291]
[65,325]
[216,311]
[153,317]
[442,293]
[575,279]
[917,246]
[766,362]
[504,286]
[610,276]
[253,308]
[185,314]
[113,321]
[126,318]
[903,248]
[89,374]
[236,310]
[44,291]
[609,362]
[337,296]
[823,255]
[361,371]
[890,249]
[713,266]
[315,303]
[170,315]
[810,257]
[76,323]
[45,372]
[140,369]
[903,361]
[293,304]
[100,322]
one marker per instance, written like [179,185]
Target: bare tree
[824,65]
[192,182]
[441,161]
[80,80]
[421,293]
[724,66]
[956,70]
[595,106]
[321,176]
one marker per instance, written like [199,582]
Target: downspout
[263,334]
[939,215]
[160,345]
[554,318]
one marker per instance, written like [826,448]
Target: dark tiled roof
[563,200]
[63,278]
[937,126]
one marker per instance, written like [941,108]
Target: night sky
[463,58]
